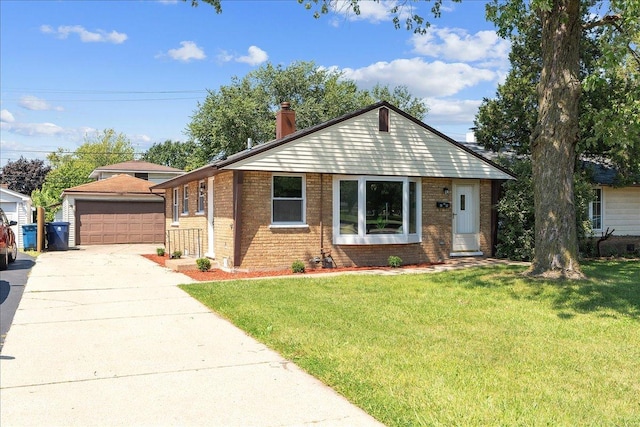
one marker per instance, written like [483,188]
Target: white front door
[211,253]
[466,218]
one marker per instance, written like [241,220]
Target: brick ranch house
[348,192]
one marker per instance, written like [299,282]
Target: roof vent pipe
[249,144]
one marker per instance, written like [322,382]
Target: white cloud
[44,129]
[6,117]
[255,56]
[86,36]
[33,129]
[423,79]
[371,11]
[456,44]
[187,52]
[36,104]
[452,111]
[224,56]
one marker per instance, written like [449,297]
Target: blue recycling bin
[29,237]
[57,236]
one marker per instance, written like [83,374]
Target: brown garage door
[102,223]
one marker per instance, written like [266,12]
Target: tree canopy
[175,154]
[72,169]
[24,176]
[608,115]
[247,107]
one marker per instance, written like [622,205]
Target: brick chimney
[285,120]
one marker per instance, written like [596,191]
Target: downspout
[321,214]
[238,177]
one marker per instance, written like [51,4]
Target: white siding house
[614,209]
[17,207]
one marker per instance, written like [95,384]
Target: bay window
[376,210]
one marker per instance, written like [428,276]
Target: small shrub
[176,254]
[160,251]
[394,261]
[297,266]
[203,264]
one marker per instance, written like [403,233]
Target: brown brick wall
[223,223]
[436,222]
[266,248]
[485,217]
[263,247]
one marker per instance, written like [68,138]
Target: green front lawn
[481,346]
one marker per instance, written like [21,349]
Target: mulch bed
[215,274]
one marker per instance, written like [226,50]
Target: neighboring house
[17,207]
[616,209]
[139,169]
[119,207]
[350,192]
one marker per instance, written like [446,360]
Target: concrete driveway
[103,337]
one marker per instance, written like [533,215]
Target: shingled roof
[136,166]
[121,184]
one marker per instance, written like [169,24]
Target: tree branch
[607,20]
[613,21]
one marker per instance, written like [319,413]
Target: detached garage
[109,222]
[119,209]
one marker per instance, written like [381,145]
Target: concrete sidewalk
[103,337]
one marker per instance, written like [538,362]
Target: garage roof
[117,184]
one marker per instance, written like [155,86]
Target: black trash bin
[29,236]
[57,236]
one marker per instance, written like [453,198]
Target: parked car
[8,245]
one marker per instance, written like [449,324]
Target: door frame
[211,252]
[466,244]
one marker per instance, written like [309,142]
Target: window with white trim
[288,200]
[185,200]
[201,196]
[595,209]
[176,213]
[376,210]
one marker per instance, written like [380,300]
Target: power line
[103,92]
[113,100]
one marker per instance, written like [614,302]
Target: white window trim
[185,200]
[175,208]
[291,224]
[601,210]
[202,190]
[376,239]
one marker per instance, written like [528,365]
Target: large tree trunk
[553,143]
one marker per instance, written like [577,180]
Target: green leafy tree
[247,107]
[507,121]
[175,154]
[73,169]
[24,175]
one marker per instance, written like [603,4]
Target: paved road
[104,337]
[12,282]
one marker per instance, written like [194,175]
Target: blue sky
[71,68]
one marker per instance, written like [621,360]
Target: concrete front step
[181,264]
